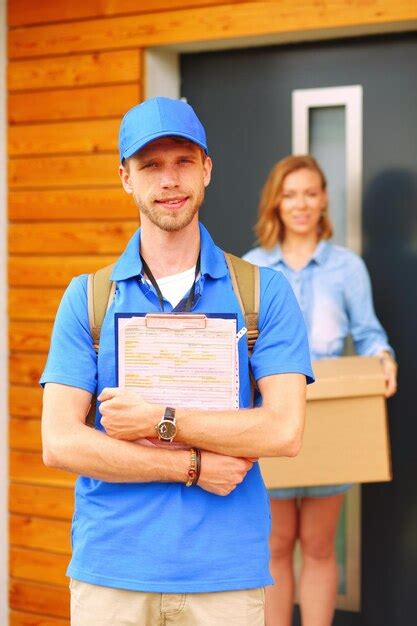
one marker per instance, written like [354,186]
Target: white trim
[351,98]
[4,412]
[162,73]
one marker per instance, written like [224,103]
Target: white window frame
[351,98]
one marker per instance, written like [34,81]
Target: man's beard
[170,222]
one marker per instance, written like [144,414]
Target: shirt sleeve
[282,345]
[367,333]
[72,360]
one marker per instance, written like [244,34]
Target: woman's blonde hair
[269,228]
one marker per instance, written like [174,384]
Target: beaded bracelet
[195,467]
[192,472]
[198,466]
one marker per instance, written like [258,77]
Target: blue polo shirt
[165,537]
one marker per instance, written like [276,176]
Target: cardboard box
[346,437]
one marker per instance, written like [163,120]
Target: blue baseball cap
[159,117]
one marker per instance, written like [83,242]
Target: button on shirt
[335,296]
[165,537]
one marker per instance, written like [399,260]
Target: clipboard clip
[176,321]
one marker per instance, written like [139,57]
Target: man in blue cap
[153,540]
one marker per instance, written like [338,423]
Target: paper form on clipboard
[181,360]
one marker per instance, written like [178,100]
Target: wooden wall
[74,69]
[68,215]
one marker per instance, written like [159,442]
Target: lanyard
[155,285]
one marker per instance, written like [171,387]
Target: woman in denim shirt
[333,289]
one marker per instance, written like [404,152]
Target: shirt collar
[321,252]
[129,264]
[275,256]
[213,262]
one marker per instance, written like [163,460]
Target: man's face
[167,179]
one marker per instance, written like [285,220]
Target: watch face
[167,430]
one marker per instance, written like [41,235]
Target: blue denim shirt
[335,296]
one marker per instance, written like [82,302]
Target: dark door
[244,99]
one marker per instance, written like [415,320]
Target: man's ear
[125,178]
[207,166]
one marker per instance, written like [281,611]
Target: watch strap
[169,414]
[167,419]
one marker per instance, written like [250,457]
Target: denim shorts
[321,491]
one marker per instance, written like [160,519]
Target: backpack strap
[100,294]
[245,281]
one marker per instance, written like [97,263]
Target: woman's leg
[279,599]
[319,576]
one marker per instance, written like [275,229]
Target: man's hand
[221,474]
[126,415]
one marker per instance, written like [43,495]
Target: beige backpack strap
[100,294]
[245,281]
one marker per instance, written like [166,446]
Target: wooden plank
[25,368]
[35,304]
[92,137]
[77,104]
[72,204]
[63,171]
[31,619]
[34,565]
[41,501]
[36,271]
[39,598]
[30,336]
[27,467]
[69,238]
[25,12]
[224,22]
[25,401]
[42,534]
[100,68]
[25,434]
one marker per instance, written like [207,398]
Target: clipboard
[182,359]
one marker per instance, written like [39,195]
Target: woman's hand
[390,368]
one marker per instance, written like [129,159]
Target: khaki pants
[93,605]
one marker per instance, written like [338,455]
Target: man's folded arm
[70,445]
[274,429]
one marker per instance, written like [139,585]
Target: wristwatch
[167,428]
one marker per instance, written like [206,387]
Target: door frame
[162,77]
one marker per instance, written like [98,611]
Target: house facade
[72,70]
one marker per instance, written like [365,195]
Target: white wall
[3,330]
